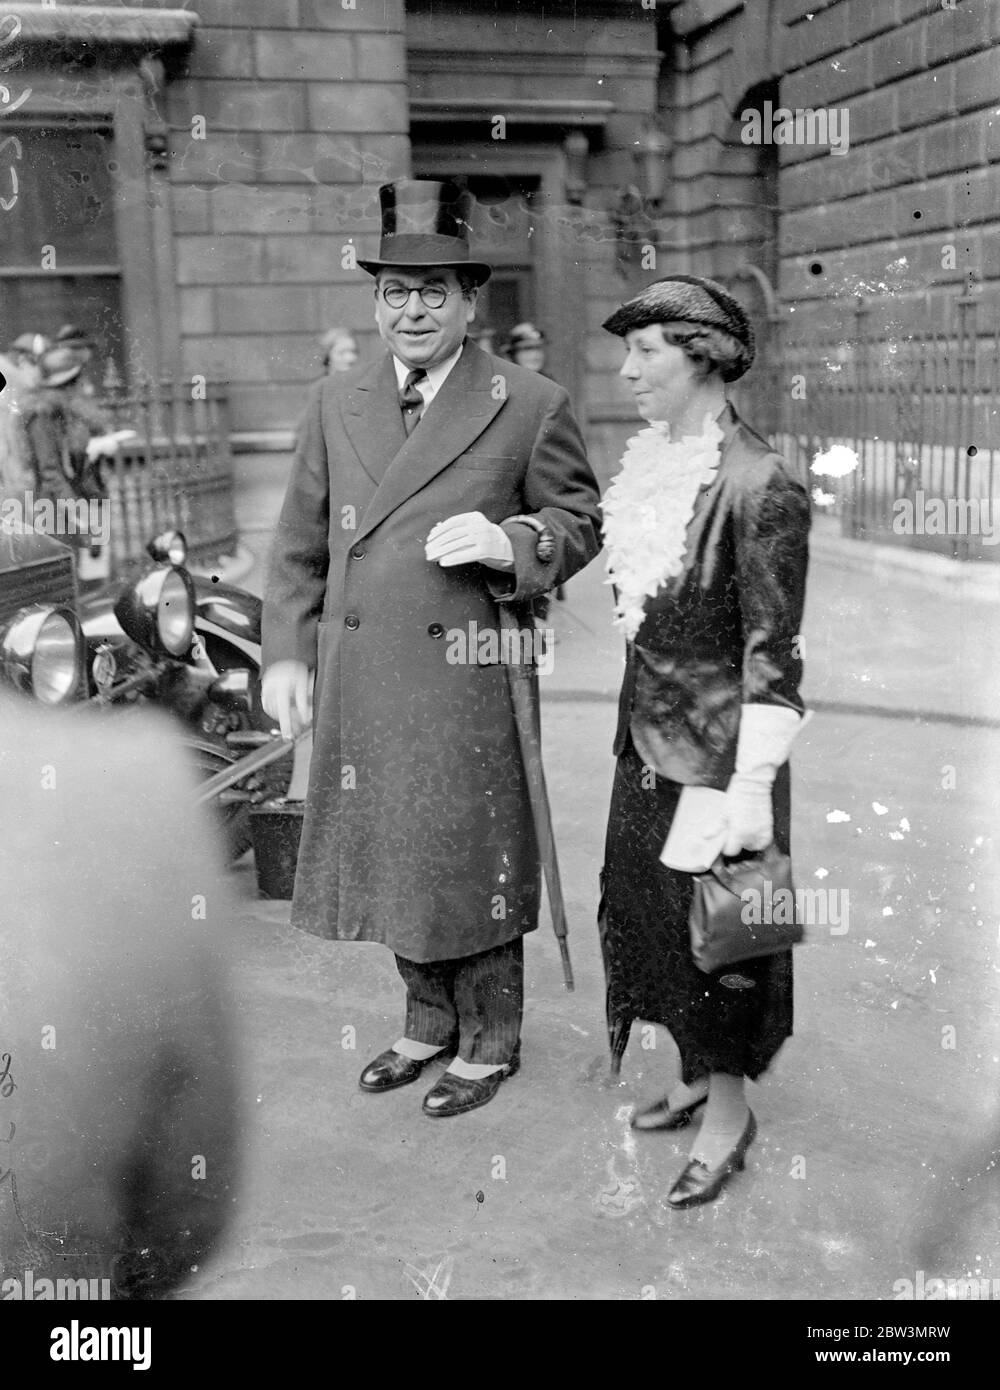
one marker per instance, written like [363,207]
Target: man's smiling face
[418,336]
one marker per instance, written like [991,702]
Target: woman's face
[662,377]
[531,357]
[343,355]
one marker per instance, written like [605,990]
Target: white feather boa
[647,509]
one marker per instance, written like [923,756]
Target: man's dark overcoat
[418,831]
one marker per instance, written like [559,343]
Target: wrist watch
[545,547]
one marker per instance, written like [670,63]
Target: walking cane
[269,752]
[520,682]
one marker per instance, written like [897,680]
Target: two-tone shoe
[456,1095]
[391,1069]
[660,1116]
[699,1184]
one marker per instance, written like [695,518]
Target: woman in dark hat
[706,533]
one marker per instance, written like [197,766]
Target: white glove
[286,694]
[767,732]
[102,446]
[463,539]
[749,817]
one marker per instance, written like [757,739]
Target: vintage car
[170,638]
[41,642]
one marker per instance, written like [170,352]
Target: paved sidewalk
[546,1193]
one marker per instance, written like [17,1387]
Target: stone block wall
[303,109]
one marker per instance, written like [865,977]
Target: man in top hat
[429,487]
[82,346]
[68,435]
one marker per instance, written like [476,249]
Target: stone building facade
[604,138]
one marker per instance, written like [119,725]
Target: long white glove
[107,445]
[767,732]
[467,537]
[102,446]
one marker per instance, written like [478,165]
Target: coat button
[358,552]
[352,621]
[435,630]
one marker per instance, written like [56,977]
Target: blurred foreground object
[118,1103]
[19,379]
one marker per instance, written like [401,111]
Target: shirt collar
[435,375]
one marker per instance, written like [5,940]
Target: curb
[967,579]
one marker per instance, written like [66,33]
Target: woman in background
[340,350]
[526,346]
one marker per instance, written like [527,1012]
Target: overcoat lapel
[458,414]
[728,421]
[373,419]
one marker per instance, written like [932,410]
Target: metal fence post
[176,472]
[853,517]
[965,388]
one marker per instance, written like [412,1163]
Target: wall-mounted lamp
[576,149]
[156,137]
[639,203]
[157,148]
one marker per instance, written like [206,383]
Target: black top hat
[425,222]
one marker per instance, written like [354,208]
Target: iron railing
[176,472]
[921,411]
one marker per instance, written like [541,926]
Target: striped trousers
[474,1001]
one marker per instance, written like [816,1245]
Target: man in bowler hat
[429,487]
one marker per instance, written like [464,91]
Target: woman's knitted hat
[687,299]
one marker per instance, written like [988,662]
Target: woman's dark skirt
[734,1020]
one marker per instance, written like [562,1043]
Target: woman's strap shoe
[391,1069]
[660,1116]
[699,1184]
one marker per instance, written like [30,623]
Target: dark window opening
[59,261]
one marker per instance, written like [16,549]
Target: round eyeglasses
[398,296]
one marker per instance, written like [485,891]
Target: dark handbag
[743,908]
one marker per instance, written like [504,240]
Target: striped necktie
[410,399]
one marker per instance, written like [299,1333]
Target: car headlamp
[158,612]
[169,547]
[41,652]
